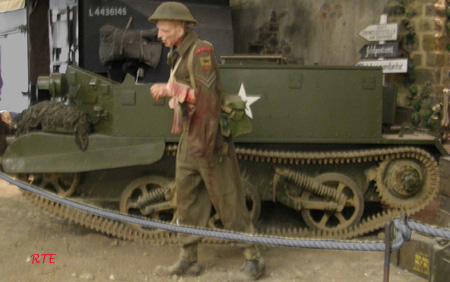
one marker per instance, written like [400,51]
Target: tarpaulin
[12,21]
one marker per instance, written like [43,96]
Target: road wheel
[333,220]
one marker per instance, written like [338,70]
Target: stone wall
[427,20]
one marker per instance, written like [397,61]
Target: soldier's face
[170,32]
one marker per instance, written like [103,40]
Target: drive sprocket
[405,183]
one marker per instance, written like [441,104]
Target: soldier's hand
[159,90]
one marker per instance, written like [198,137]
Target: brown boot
[252,270]
[180,268]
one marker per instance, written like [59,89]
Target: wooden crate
[444,171]
[444,203]
[443,219]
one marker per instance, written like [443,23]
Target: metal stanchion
[387,250]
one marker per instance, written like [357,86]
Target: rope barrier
[422,228]
[402,227]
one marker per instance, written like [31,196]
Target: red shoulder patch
[203,49]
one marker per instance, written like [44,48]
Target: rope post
[387,250]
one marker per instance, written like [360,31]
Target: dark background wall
[308,31]
[326,32]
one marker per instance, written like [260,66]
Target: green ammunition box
[426,256]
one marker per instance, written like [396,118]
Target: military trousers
[205,182]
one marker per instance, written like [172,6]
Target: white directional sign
[380,32]
[389,66]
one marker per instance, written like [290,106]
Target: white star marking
[249,100]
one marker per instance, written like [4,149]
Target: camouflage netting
[56,117]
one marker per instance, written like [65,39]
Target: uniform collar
[189,38]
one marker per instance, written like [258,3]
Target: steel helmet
[172,11]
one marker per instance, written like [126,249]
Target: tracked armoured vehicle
[319,147]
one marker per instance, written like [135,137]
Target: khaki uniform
[205,173]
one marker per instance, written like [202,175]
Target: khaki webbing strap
[190,67]
[122,42]
[445,105]
[141,46]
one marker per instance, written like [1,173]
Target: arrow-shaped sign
[380,32]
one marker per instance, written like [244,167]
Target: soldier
[206,168]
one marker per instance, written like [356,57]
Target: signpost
[377,52]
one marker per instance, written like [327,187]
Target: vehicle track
[366,225]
